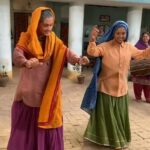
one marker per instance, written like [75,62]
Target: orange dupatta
[50,115]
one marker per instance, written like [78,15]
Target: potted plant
[80,76]
[3,76]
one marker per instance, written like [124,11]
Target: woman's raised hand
[94,33]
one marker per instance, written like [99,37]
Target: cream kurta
[115,65]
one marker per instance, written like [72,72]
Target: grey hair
[46,14]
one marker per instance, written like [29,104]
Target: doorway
[21,21]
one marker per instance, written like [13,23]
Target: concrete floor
[75,120]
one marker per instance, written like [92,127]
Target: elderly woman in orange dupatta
[37,111]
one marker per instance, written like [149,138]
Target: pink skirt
[25,134]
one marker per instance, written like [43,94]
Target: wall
[92,14]
[28,5]
[145,20]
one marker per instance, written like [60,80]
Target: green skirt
[109,122]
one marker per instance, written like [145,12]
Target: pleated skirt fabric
[109,122]
[25,134]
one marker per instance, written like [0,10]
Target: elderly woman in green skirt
[109,120]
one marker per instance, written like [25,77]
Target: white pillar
[5,36]
[134,19]
[76,19]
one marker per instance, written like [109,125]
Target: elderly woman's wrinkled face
[146,38]
[45,27]
[120,35]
